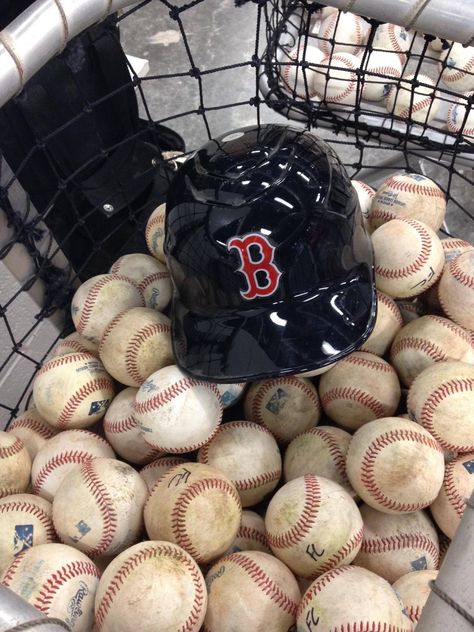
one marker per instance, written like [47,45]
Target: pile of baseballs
[134,495]
[335,64]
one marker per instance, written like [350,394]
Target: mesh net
[89,146]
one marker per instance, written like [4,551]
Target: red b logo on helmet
[250,267]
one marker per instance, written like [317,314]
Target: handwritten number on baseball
[180,478]
[313,552]
[311,620]
[425,281]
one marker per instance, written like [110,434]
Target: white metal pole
[16,613]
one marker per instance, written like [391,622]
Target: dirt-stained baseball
[381,70]
[15,465]
[336,81]
[251,535]
[153,471]
[388,323]
[456,289]
[365,195]
[414,589]
[155,233]
[74,343]
[414,98]
[231,393]
[347,31]
[33,430]
[151,276]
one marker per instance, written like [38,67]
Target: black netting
[89,147]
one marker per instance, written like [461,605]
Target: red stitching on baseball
[167,460]
[58,578]
[320,583]
[351,83]
[76,399]
[414,612]
[118,581]
[377,363]
[303,525]
[455,500]
[10,450]
[248,533]
[178,515]
[9,574]
[458,273]
[416,106]
[166,395]
[352,394]
[418,263]
[133,348]
[35,511]
[338,558]
[369,190]
[152,278]
[9,491]
[428,411]
[266,386]
[117,426]
[428,190]
[377,445]
[460,73]
[453,243]
[32,424]
[401,541]
[76,346]
[89,301]
[63,458]
[338,456]
[109,328]
[456,329]
[263,581]
[420,344]
[388,302]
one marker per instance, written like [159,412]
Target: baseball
[251,534]
[153,471]
[414,589]
[248,455]
[361,387]
[437,44]
[411,309]
[152,585]
[57,580]
[456,290]
[381,70]
[394,38]
[365,195]
[25,521]
[336,82]
[135,344]
[298,70]
[63,453]
[411,196]
[287,406]
[388,323]
[409,257]
[448,508]
[456,68]
[460,119]
[441,399]
[351,598]
[177,413]
[426,340]
[98,300]
[342,33]
[313,525]
[105,516]
[33,430]
[74,343]
[414,98]
[15,465]
[415,481]
[122,431]
[250,590]
[395,545]
[321,451]
[151,276]
[72,391]
[155,233]
[186,507]
[231,393]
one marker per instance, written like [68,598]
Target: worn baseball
[456,290]
[448,508]
[25,521]
[441,399]
[408,195]
[135,344]
[186,507]
[248,455]
[351,598]
[381,70]
[388,323]
[63,453]
[106,515]
[365,194]
[393,38]
[57,580]
[361,387]
[426,340]
[153,471]
[74,343]
[321,451]
[413,483]
[231,393]
[336,81]
[251,534]
[342,33]
[287,406]
[151,276]
[33,430]
[395,545]
[457,67]
[411,309]
[414,589]
[414,98]
[122,431]
[15,465]
[177,413]
[155,585]
[298,70]
[72,391]
[155,233]
[313,525]
[409,257]
[250,590]
[460,119]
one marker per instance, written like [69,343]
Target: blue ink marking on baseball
[419,564]
[277,401]
[469,465]
[23,538]
[98,406]
[83,529]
